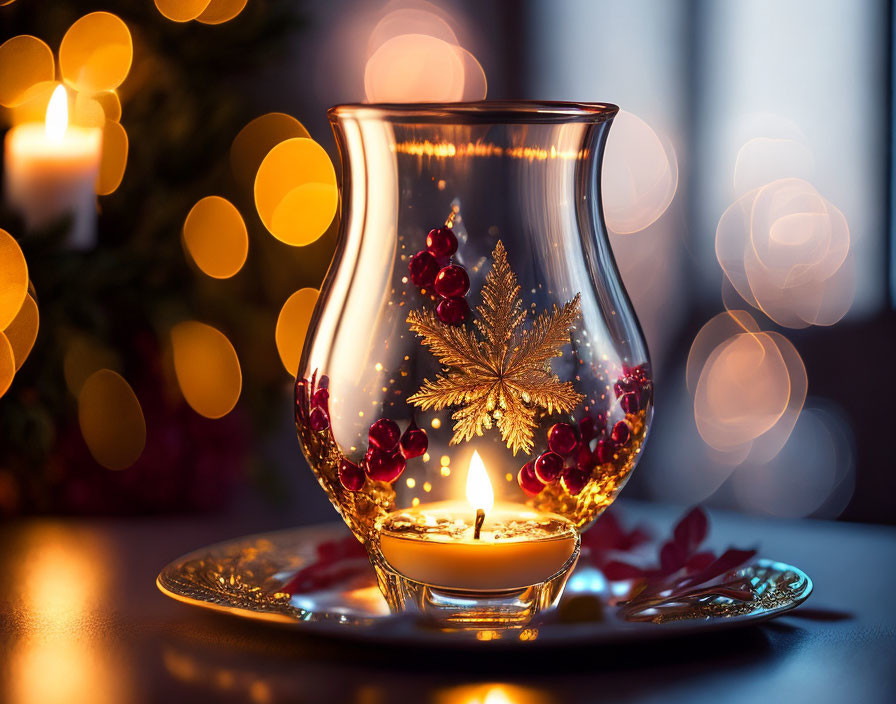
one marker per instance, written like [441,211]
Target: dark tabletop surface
[82,621]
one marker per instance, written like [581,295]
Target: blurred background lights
[295,191]
[181,10]
[114,159]
[96,53]
[85,355]
[252,143]
[220,11]
[215,237]
[762,160]
[640,175]
[292,324]
[24,61]
[785,249]
[13,278]
[207,368]
[7,364]
[22,331]
[111,420]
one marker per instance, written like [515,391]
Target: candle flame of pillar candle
[479,488]
[57,115]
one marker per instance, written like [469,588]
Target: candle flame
[479,488]
[57,115]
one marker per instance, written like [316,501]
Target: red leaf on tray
[335,562]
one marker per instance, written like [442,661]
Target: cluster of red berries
[387,454]
[432,267]
[565,443]
[633,388]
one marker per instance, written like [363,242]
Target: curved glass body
[520,344]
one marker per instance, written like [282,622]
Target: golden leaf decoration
[501,376]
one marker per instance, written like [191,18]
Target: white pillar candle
[51,171]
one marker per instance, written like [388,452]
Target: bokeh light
[111,420]
[207,368]
[786,250]
[220,11]
[292,324]
[110,103]
[32,106]
[85,355]
[414,68]
[749,387]
[181,10]
[252,144]
[114,159]
[639,176]
[22,331]
[24,62]
[295,191]
[762,160]
[13,278]
[7,364]
[423,20]
[87,112]
[215,237]
[96,53]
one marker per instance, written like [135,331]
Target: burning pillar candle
[478,544]
[51,171]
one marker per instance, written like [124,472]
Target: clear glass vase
[474,388]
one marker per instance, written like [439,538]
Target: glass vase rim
[480,111]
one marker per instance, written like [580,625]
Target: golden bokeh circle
[181,10]
[22,331]
[114,159]
[96,53]
[295,191]
[111,420]
[292,325]
[24,61]
[7,364]
[215,237]
[110,103]
[207,368]
[252,143]
[13,278]
[220,11]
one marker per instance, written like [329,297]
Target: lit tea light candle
[51,171]
[477,545]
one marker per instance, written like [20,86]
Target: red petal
[691,530]
[616,571]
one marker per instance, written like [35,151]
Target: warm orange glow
[96,53]
[114,158]
[220,11]
[110,103]
[111,420]
[181,10]
[449,150]
[24,62]
[7,364]
[639,177]
[414,68]
[13,278]
[87,112]
[207,368]
[292,325]
[256,139]
[216,238]
[295,191]
[83,356]
[480,494]
[57,115]
[22,331]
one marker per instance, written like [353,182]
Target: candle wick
[480,519]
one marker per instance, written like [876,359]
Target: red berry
[631,402]
[383,466]
[588,429]
[585,459]
[452,281]
[441,242]
[414,441]
[621,433]
[423,268]
[384,434]
[529,483]
[320,399]
[318,420]
[604,451]
[625,385]
[574,480]
[562,439]
[351,475]
[452,311]
[548,467]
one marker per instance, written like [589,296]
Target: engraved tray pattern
[242,577]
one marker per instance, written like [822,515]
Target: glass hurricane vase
[473,323]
